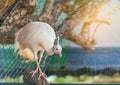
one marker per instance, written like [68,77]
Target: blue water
[100,58]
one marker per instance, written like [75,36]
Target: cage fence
[12,65]
[75,61]
[101,63]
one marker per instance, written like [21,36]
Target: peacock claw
[42,75]
[33,72]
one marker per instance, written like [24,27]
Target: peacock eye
[56,48]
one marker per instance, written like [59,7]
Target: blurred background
[80,63]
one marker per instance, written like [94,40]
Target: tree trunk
[86,13]
[4,5]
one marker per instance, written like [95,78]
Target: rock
[34,80]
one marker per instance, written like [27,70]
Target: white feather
[36,35]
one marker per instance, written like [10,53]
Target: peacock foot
[35,72]
[42,75]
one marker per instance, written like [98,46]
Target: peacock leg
[37,67]
[41,73]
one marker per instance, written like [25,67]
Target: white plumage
[35,34]
[34,37]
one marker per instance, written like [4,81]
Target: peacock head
[57,49]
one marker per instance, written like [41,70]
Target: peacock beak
[60,54]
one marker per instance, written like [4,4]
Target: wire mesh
[13,65]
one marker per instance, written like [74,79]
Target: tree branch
[52,10]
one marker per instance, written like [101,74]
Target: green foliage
[100,78]
[13,80]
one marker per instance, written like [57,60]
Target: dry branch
[4,5]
